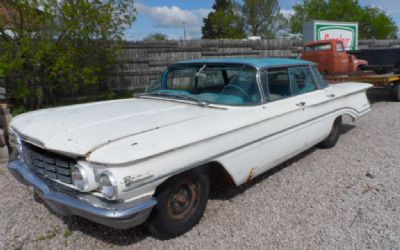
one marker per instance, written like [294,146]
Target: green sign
[348,33]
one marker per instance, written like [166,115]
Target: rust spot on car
[251,174]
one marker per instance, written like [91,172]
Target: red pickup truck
[331,57]
[339,66]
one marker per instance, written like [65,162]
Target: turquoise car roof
[256,62]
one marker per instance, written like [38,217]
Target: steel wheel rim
[184,199]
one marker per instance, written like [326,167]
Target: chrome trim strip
[113,214]
[237,129]
[260,88]
[199,163]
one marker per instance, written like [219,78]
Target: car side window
[339,47]
[276,84]
[318,77]
[301,80]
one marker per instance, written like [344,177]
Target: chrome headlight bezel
[81,184]
[87,181]
[18,143]
[108,185]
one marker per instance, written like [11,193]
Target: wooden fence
[2,94]
[143,61]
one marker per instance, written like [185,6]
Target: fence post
[5,118]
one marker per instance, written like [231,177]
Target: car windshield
[318,47]
[216,84]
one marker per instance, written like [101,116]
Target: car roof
[256,62]
[327,41]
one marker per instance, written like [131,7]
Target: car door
[342,60]
[317,104]
[294,114]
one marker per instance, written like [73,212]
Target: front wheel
[182,201]
[333,136]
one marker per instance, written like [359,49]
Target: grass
[68,233]
[50,235]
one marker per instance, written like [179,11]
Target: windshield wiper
[178,96]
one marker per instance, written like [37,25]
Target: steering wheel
[236,88]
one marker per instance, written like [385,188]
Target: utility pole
[184,30]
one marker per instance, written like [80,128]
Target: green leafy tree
[224,21]
[373,22]
[50,49]
[263,17]
[156,37]
[376,24]
[309,10]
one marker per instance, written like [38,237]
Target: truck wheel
[333,136]
[181,204]
[396,92]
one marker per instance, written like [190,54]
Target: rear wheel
[396,92]
[333,136]
[181,204]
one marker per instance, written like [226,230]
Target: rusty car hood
[79,130]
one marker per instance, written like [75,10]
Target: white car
[152,158]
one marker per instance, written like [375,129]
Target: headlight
[108,185]
[18,143]
[83,178]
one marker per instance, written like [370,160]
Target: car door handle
[331,95]
[301,104]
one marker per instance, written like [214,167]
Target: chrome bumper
[120,215]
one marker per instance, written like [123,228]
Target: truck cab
[331,57]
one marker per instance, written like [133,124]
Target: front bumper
[120,215]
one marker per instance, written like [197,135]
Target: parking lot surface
[345,197]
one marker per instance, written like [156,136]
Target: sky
[171,16]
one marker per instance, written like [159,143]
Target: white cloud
[173,16]
[170,20]
[202,12]
[287,12]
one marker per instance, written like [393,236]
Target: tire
[172,217]
[333,136]
[396,92]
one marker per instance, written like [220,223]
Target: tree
[373,22]
[263,17]
[377,25]
[156,37]
[309,10]
[55,48]
[224,21]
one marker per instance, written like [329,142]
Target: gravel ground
[346,197]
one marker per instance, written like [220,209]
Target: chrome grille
[48,164]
